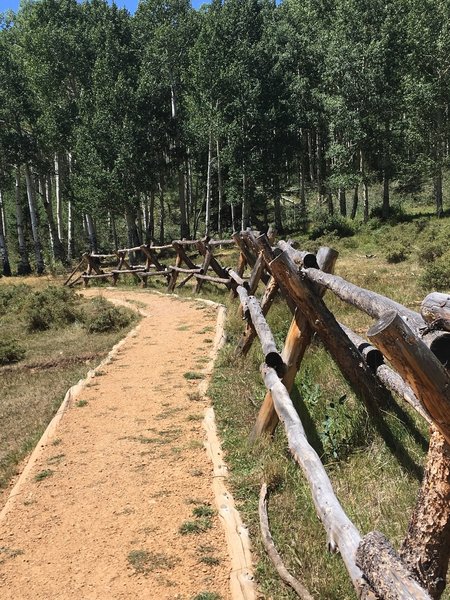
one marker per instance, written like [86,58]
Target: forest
[172,122]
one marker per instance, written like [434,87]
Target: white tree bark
[31,194]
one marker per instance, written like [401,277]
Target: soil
[102,510]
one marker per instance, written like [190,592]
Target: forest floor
[119,503]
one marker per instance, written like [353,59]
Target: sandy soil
[99,514]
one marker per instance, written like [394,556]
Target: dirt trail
[100,512]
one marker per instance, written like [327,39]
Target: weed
[210,560]
[207,596]
[54,460]
[144,562]
[43,474]
[198,526]
[81,403]
[10,352]
[195,417]
[56,442]
[194,396]
[195,445]
[203,511]
[190,375]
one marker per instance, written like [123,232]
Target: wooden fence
[405,353]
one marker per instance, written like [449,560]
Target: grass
[207,596]
[144,562]
[43,475]
[191,375]
[54,359]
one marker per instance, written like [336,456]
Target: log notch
[426,547]
[322,321]
[252,310]
[385,571]
[297,341]
[417,365]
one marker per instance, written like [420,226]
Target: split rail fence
[406,353]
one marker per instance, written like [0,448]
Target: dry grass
[33,389]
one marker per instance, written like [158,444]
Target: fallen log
[385,571]
[269,545]
[183,270]
[417,365]
[252,310]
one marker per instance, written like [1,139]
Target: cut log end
[384,321]
[274,360]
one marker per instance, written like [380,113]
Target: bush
[437,275]
[397,254]
[52,307]
[431,252]
[326,224]
[12,296]
[10,352]
[102,317]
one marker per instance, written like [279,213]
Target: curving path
[101,511]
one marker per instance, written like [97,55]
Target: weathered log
[249,257]
[185,280]
[385,571]
[435,310]
[375,305]
[174,273]
[256,274]
[224,280]
[183,270]
[128,271]
[152,273]
[297,341]
[164,247]
[220,271]
[417,365]
[246,341]
[274,556]
[207,256]
[373,357]
[301,258]
[221,242]
[237,279]
[103,256]
[343,351]
[99,276]
[252,310]
[151,255]
[83,259]
[426,547]
[128,250]
[342,534]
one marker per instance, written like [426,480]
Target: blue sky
[130,4]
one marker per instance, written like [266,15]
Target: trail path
[99,512]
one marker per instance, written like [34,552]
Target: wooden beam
[417,365]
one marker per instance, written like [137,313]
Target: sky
[130,4]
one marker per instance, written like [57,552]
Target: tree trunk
[219,190]
[23,267]
[46,195]
[70,227]
[31,193]
[161,212]
[319,167]
[245,208]
[3,245]
[365,186]
[354,203]
[59,216]
[151,218]
[311,156]
[342,202]
[113,231]
[208,188]
[438,151]
[91,233]
[277,205]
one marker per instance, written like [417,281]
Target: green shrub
[325,224]
[437,275]
[10,352]
[397,254]
[431,252]
[52,307]
[12,297]
[102,317]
